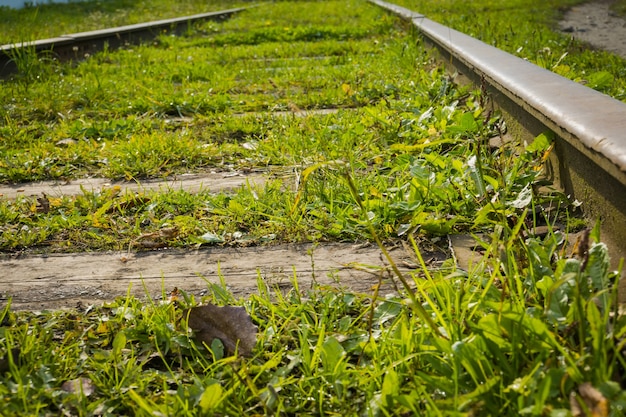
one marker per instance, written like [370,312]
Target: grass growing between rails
[127,110]
[436,186]
[534,38]
[528,331]
[414,143]
[405,155]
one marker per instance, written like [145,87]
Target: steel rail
[589,159]
[78,45]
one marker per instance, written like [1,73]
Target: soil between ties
[216,181]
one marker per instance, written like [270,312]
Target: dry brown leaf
[174,295]
[151,235]
[155,239]
[43,205]
[78,386]
[231,325]
[169,232]
[151,244]
[592,399]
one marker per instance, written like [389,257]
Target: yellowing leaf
[119,343]
[375,193]
[562,69]
[211,397]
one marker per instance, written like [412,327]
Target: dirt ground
[193,183]
[74,280]
[80,279]
[595,24]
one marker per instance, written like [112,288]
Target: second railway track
[76,46]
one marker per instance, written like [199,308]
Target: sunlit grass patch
[528,29]
[106,114]
[48,20]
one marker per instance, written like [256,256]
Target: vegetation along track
[337,128]
[589,157]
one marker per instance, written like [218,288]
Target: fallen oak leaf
[231,325]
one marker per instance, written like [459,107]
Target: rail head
[153,25]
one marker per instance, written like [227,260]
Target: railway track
[589,162]
[518,323]
[589,159]
[76,46]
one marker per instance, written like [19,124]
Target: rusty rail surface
[77,45]
[589,159]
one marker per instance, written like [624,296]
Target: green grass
[97,104]
[50,20]
[405,157]
[188,117]
[403,131]
[528,29]
[501,343]
[534,37]
[619,7]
